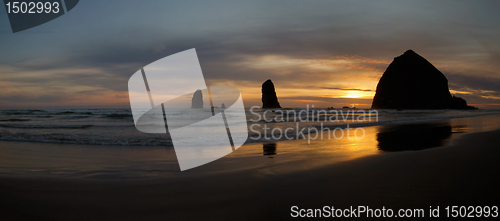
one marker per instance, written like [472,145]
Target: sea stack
[269,98]
[197,100]
[412,82]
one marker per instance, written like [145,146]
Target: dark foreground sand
[463,174]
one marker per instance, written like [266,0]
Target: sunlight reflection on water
[261,159]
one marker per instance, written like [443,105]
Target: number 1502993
[33,7]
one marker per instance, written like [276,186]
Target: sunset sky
[326,53]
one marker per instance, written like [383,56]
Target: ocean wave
[58,138]
[44,116]
[118,115]
[16,119]
[73,113]
[23,126]
[76,117]
[20,112]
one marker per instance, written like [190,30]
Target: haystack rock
[412,82]
[269,98]
[197,100]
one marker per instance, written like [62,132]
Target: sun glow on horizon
[357,94]
[353,94]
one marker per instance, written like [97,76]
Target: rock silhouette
[197,100]
[269,98]
[413,136]
[269,149]
[412,82]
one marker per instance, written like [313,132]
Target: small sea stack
[269,98]
[197,100]
[269,149]
[412,82]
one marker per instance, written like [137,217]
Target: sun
[353,94]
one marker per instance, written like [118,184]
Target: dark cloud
[29,98]
[476,82]
[102,48]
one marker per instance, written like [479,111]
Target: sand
[464,173]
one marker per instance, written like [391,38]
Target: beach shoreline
[463,173]
[40,159]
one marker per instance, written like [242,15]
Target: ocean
[116,126]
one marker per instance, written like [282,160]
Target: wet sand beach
[254,183]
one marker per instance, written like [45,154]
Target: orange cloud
[353,62]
